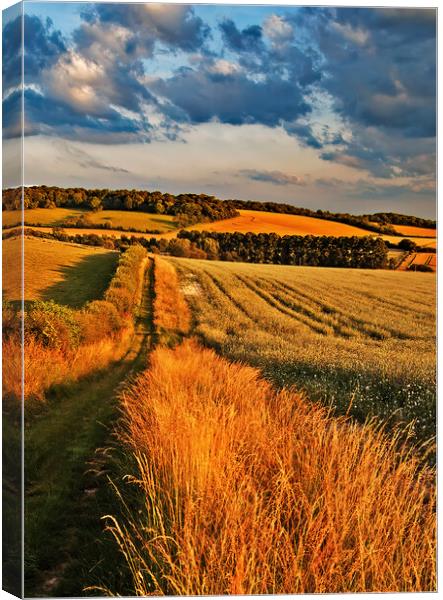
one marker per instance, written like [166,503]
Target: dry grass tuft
[247,490]
[171,312]
[45,366]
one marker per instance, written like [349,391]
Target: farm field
[268,222]
[69,274]
[430,242]
[117,219]
[419,258]
[362,342]
[409,230]
[259,467]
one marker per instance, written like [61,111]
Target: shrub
[99,319]
[421,268]
[123,288]
[407,245]
[53,325]
[11,321]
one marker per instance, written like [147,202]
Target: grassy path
[67,493]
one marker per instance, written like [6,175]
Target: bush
[99,319]
[10,320]
[421,268]
[123,287]
[407,245]
[53,325]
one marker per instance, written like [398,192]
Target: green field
[69,274]
[359,341]
[115,219]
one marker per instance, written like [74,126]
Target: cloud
[83,159]
[43,47]
[50,116]
[176,26]
[379,72]
[277,29]
[232,97]
[247,40]
[274,177]
[145,72]
[373,189]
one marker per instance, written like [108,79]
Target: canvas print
[219,298]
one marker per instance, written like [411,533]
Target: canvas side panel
[12,288]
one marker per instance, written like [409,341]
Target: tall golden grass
[171,312]
[45,366]
[247,490]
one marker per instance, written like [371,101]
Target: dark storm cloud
[380,72]
[43,46]
[12,55]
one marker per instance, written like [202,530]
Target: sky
[326,108]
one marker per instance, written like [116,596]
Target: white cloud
[356,35]
[277,29]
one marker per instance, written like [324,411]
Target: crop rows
[358,341]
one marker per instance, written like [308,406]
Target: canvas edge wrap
[12,408]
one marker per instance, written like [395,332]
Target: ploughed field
[360,341]
[69,274]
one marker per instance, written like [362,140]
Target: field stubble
[362,342]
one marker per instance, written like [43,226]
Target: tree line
[315,251]
[269,248]
[187,209]
[397,219]
[191,208]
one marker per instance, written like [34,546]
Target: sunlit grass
[114,219]
[363,340]
[69,274]
[245,490]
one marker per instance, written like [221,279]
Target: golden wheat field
[357,340]
[244,489]
[411,231]
[267,222]
[248,221]
[419,258]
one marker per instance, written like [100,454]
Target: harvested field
[267,222]
[114,219]
[359,341]
[419,258]
[69,274]
[429,242]
[408,230]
